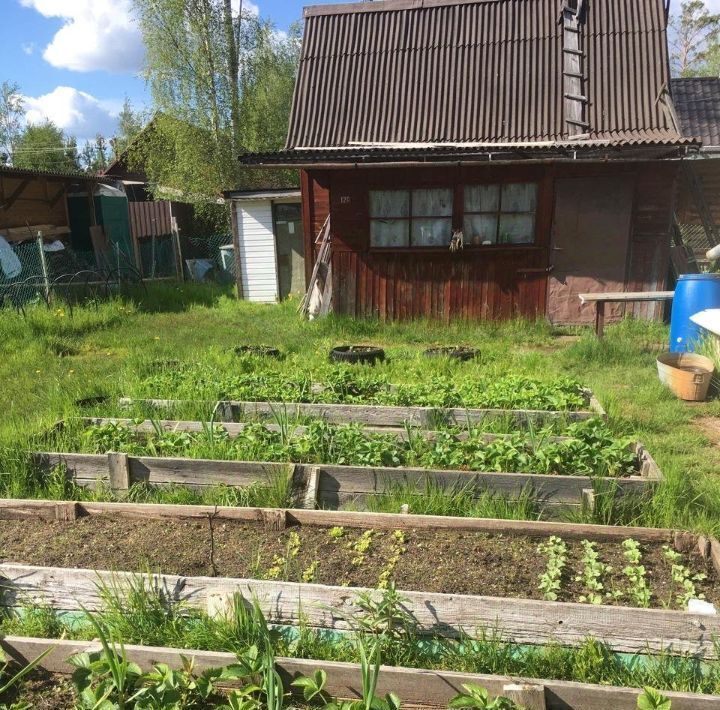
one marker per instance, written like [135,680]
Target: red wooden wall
[482,282]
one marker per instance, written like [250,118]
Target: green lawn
[51,358]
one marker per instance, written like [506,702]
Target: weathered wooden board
[338,485]
[326,607]
[380,415]
[416,688]
[58,510]
[233,429]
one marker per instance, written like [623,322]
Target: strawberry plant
[555,550]
[636,574]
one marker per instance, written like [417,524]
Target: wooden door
[589,248]
[290,249]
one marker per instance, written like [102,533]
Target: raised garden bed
[332,486]
[461,575]
[378,415]
[416,688]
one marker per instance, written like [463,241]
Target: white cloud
[28,47]
[95,35]
[248,6]
[78,113]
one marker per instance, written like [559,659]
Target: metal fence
[42,270]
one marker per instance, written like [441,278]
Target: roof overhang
[439,155]
[261,194]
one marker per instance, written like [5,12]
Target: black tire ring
[357,354]
[259,350]
[457,353]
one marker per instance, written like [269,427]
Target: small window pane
[480,229]
[482,198]
[517,229]
[389,233]
[432,203]
[389,203]
[519,197]
[431,232]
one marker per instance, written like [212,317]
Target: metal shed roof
[697,102]
[478,71]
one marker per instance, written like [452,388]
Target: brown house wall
[488,282]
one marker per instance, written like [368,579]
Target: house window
[411,218]
[500,214]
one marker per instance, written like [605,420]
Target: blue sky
[76,60]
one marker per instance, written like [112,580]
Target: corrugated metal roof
[33,172]
[427,71]
[697,102]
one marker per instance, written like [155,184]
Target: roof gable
[478,72]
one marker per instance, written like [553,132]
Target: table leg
[600,318]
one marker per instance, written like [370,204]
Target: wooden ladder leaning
[317,300]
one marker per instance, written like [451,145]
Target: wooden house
[537,138]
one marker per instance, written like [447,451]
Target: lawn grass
[50,358]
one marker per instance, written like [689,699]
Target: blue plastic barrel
[693,293]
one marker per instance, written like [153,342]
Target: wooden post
[310,499]
[43,265]
[530,697]
[177,248]
[588,499]
[599,318]
[119,470]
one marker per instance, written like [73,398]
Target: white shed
[268,239]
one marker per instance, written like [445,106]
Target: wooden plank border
[12,508]
[339,485]
[379,415]
[522,621]
[415,687]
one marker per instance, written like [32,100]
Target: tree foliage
[12,113]
[221,82]
[695,40]
[130,124]
[45,147]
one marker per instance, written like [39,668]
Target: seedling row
[313,572]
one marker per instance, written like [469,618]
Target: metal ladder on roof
[575,100]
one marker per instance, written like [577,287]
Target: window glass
[389,233]
[519,197]
[432,203]
[482,198]
[516,229]
[389,203]
[431,232]
[480,229]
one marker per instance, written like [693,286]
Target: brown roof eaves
[444,155]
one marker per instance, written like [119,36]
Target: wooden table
[600,299]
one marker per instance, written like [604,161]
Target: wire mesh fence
[217,251]
[157,256]
[32,272]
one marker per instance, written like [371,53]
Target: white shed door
[258,270]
